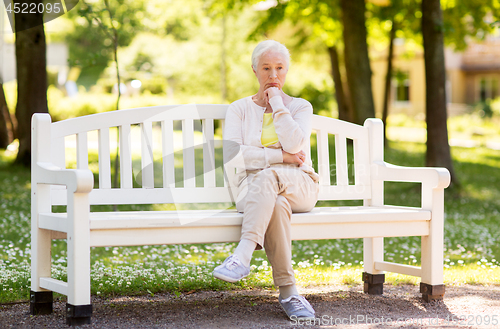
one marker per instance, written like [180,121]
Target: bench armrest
[428,176]
[76,180]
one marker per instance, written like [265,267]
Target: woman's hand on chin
[297,158]
[271,92]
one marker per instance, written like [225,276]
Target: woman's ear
[253,69]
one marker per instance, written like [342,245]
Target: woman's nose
[273,74]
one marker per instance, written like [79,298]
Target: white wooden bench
[53,184]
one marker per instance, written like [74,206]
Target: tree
[31,77]
[342,102]
[438,150]
[93,51]
[104,17]
[356,58]
[6,126]
[401,18]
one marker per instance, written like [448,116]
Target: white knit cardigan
[243,130]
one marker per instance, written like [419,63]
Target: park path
[336,306]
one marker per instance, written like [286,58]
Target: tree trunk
[6,127]
[356,59]
[31,77]
[344,113]
[438,150]
[388,78]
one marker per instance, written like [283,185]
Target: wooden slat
[58,150]
[228,173]
[125,157]
[344,192]
[323,158]
[135,116]
[53,222]
[82,154]
[167,145]
[208,153]
[151,196]
[361,162]
[399,268]
[104,159]
[219,217]
[188,152]
[147,154]
[341,160]
[355,230]
[58,286]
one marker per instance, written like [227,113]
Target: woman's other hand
[297,158]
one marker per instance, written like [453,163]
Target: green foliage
[320,99]
[91,43]
[468,18]
[62,108]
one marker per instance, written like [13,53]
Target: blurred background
[429,69]
[196,51]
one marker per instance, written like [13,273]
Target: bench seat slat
[232,233]
[202,226]
[319,215]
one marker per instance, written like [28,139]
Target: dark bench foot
[40,302]
[77,315]
[432,292]
[374,283]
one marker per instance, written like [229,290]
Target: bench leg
[432,292]
[373,283]
[79,306]
[41,240]
[41,302]
[431,286]
[373,251]
[77,315]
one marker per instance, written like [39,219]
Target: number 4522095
[34,8]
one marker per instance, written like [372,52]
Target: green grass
[471,232]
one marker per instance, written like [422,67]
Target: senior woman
[270,133]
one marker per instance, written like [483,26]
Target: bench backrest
[152,140]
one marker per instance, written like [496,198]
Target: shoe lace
[299,302]
[232,263]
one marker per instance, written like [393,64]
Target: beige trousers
[267,200]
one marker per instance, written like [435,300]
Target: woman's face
[271,70]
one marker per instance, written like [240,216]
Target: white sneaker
[297,307]
[231,270]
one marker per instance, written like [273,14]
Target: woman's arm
[293,132]
[249,157]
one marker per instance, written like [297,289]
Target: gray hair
[269,45]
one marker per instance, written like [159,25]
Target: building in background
[473,76]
